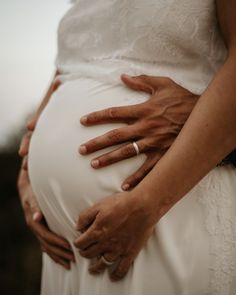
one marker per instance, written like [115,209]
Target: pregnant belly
[63,180]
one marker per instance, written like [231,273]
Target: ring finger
[98,265]
[110,138]
[124,152]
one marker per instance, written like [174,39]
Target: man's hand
[56,247]
[117,227]
[154,124]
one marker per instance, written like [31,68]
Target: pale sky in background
[27,53]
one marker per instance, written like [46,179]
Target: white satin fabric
[193,248]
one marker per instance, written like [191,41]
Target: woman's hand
[25,142]
[117,227]
[154,124]
[56,247]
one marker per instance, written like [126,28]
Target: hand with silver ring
[102,262]
[118,227]
[107,262]
[136,148]
[152,125]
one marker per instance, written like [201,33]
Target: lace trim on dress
[217,203]
[180,37]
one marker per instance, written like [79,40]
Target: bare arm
[208,135]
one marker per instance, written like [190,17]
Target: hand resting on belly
[153,124]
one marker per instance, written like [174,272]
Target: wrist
[153,200]
[144,202]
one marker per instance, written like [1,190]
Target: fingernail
[83,149]
[95,163]
[125,186]
[36,216]
[67,246]
[84,119]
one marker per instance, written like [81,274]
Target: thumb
[144,83]
[86,218]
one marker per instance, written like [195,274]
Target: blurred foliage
[20,259]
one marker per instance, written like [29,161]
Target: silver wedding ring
[105,261]
[136,147]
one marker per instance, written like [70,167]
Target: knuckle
[114,135]
[94,270]
[100,222]
[144,110]
[94,235]
[112,112]
[168,80]
[97,268]
[82,219]
[85,254]
[127,150]
[152,124]
[143,77]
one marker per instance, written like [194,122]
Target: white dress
[193,248]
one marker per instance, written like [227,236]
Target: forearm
[207,137]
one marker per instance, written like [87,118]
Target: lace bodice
[175,38]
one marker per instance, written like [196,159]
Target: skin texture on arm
[210,132]
[207,137]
